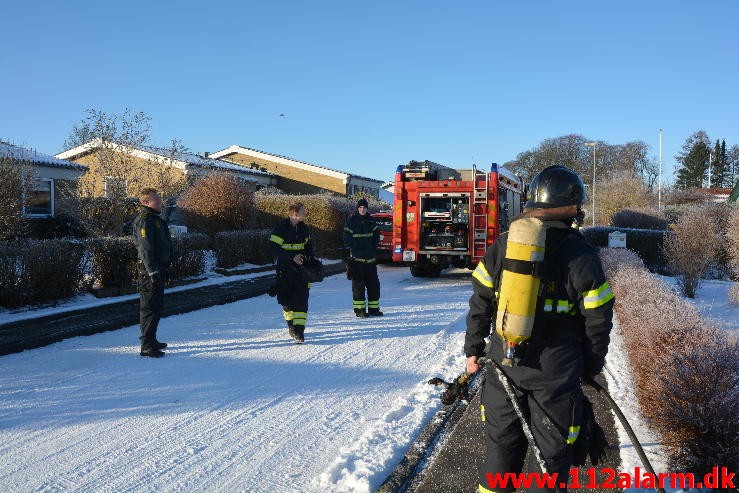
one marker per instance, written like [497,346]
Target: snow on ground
[713,302]
[235,405]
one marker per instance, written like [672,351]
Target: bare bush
[701,397]
[38,271]
[732,241]
[734,294]
[102,216]
[732,235]
[690,250]
[613,258]
[233,248]
[685,371]
[620,192]
[687,196]
[217,202]
[14,179]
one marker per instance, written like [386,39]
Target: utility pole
[593,145]
[659,186]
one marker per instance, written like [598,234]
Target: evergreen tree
[724,167]
[732,159]
[693,161]
[715,171]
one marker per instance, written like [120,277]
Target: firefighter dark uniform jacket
[292,292]
[153,241]
[287,241]
[361,235]
[573,314]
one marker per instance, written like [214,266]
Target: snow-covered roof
[180,160]
[235,149]
[32,156]
[205,162]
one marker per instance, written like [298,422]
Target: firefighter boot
[359,312]
[375,312]
[300,334]
[291,330]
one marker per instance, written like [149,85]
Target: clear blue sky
[366,86]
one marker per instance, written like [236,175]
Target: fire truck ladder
[479,208]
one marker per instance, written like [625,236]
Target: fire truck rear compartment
[445,220]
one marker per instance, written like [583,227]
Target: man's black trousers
[151,297]
[554,414]
[364,277]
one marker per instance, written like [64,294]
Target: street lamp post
[592,191]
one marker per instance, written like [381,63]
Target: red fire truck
[449,217]
[384,220]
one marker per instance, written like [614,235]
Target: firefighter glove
[457,390]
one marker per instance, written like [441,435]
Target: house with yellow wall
[116,168]
[300,177]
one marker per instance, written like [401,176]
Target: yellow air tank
[519,285]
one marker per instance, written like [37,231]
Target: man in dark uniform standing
[291,245]
[569,338]
[154,245]
[361,236]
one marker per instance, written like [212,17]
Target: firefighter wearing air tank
[361,236]
[542,289]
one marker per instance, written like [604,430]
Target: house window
[40,199]
[115,187]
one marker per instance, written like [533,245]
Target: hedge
[38,271]
[685,369]
[234,248]
[647,243]
[326,215]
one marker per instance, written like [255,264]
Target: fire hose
[457,390]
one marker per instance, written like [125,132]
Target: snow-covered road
[235,405]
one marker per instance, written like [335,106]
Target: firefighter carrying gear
[569,338]
[292,292]
[361,236]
